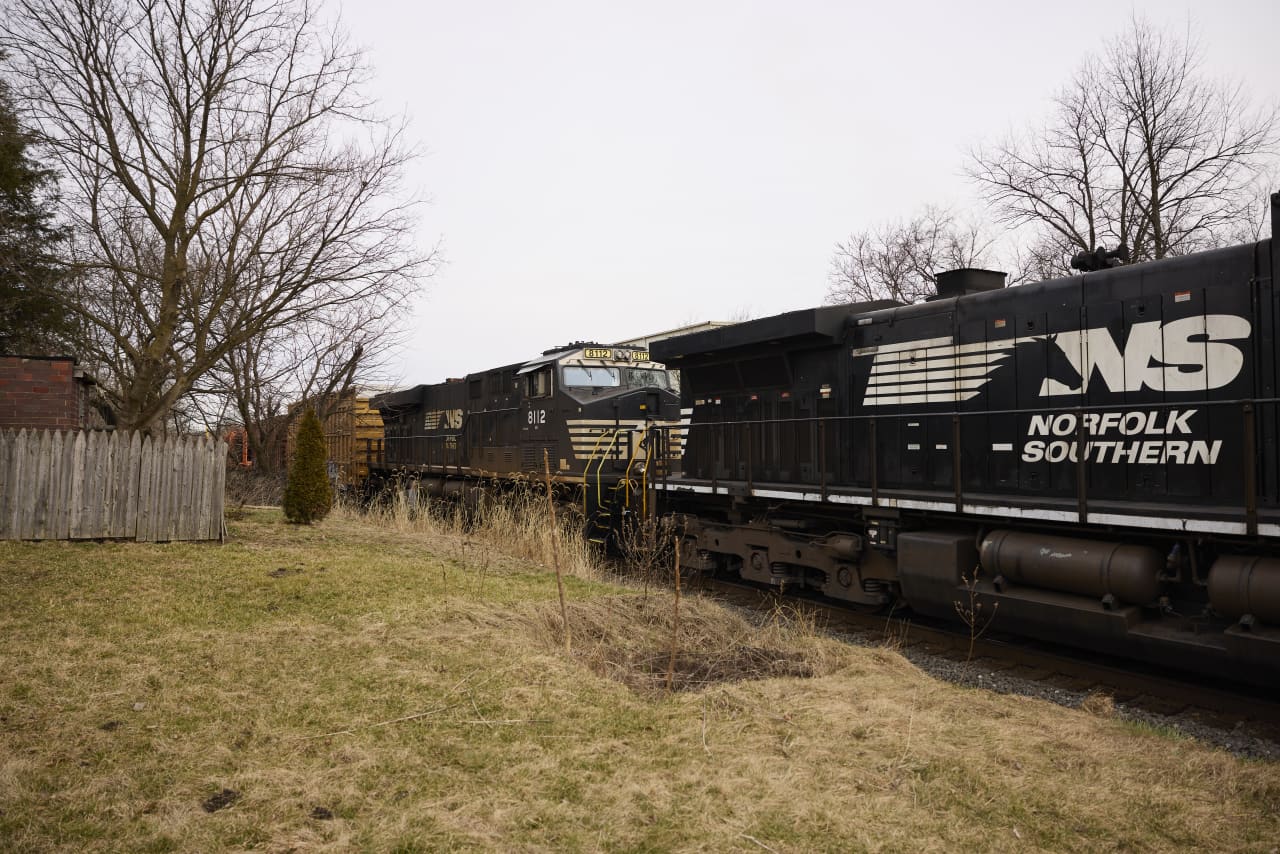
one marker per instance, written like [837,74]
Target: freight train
[588,413]
[1093,459]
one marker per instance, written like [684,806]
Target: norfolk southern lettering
[1120,437]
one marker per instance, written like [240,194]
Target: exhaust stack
[968,280]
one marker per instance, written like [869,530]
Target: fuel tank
[1085,567]
[1244,584]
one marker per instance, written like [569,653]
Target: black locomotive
[1098,455]
[586,411]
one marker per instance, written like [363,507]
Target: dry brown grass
[381,695]
[628,638]
[514,525]
[1099,704]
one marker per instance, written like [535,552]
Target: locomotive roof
[399,399]
[580,353]
[822,325]
[575,353]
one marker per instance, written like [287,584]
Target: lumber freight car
[1100,452]
[352,435]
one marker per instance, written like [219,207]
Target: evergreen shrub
[308,495]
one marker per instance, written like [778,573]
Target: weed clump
[628,638]
[308,495]
[647,550]
[1099,704]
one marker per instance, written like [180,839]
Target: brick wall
[40,392]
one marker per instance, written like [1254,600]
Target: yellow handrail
[586,472]
[644,479]
[600,466]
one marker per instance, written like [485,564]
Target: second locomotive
[585,411]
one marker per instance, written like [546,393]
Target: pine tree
[32,318]
[308,495]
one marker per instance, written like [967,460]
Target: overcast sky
[600,170]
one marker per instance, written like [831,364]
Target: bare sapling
[971,611]
[555,548]
[675,619]
[895,632]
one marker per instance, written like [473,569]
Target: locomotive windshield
[646,378]
[584,377]
[577,376]
[581,376]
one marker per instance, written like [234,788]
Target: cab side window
[539,383]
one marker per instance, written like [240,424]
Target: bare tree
[224,172]
[1142,150]
[901,260]
[1255,224]
[1052,178]
[319,361]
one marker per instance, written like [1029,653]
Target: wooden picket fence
[87,485]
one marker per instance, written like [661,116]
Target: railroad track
[1074,672]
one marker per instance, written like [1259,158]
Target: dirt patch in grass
[632,639]
[220,800]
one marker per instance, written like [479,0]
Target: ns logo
[443,419]
[1190,354]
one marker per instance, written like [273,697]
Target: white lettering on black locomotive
[1177,452]
[1185,355]
[1100,423]
[1190,354]
[443,419]
[1108,438]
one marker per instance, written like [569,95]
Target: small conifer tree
[308,495]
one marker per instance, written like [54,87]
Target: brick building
[45,392]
